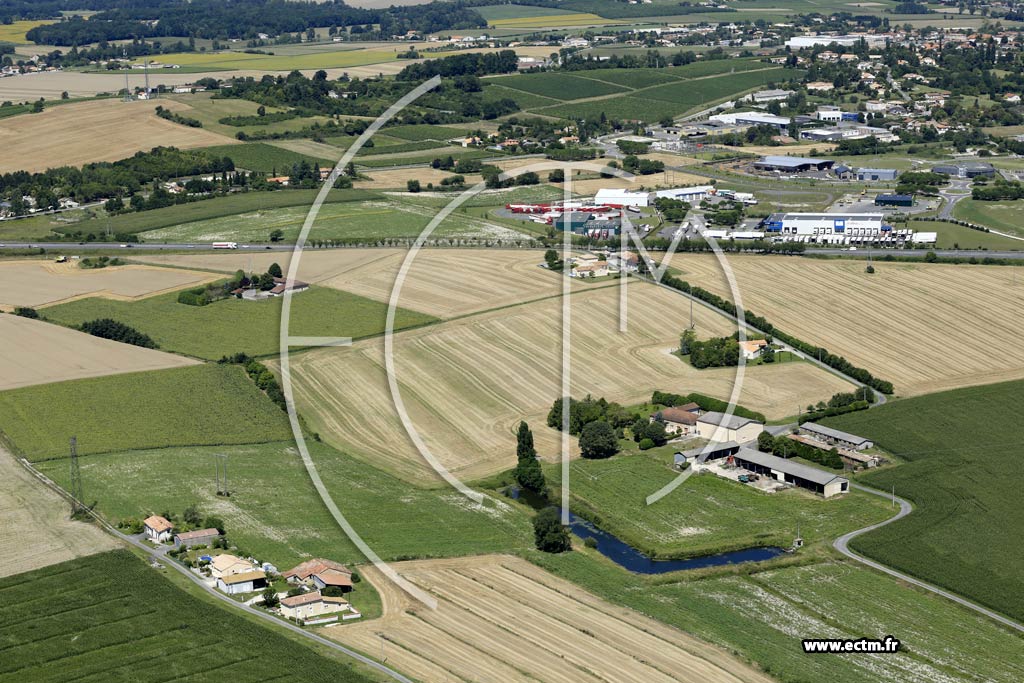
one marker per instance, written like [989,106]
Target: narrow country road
[158,554]
[843,542]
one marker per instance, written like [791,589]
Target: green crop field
[630,78]
[416,146]
[111,617]
[1005,216]
[275,514]
[425,132]
[524,100]
[953,236]
[231,325]
[963,456]
[559,86]
[210,110]
[339,221]
[195,405]
[206,209]
[707,514]
[763,616]
[424,157]
[638,108]
[259,156]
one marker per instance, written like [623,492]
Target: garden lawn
[964,454]
[231,325]
[196,405]
[111,617]
[275,514]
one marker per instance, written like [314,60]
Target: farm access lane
[843,542]
[159,555]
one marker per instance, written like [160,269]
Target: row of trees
[784,447]
[108,328]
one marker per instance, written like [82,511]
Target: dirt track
[501,619]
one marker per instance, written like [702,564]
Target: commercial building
[836,437]
[763,96]
[894,200]
[966,169]
[882,174]
[821,482]
[750,118]
[687,194]
[818,224]
[793,164]
[622,198]
[845,131]
[722,427]
[797,42]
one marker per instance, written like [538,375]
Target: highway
[842,544]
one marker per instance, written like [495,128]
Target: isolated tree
[598,440]
[412,185]
[276,235]
[275,270]
[191,515]
[556,176]
[524,442]
[655,431]
[549,534]
[552,260]
[528,472]
[270,599]
[638,429]
[686,340]
[765,442]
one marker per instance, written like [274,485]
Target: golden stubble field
[35,352]
[102,130]
[39,283]
[468,382]
[36,529]
[500,618]
[924,327]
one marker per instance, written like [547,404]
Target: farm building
[333,578]
[157,528]
[678,420]
[894,200]
[622,198]
[281,285]
[199,537]
[690,195]
[312,605]
[851,458]
[824,483]
[248,582]
[228,565]
[719,426]
[836,437]
[793,164]
[965,169]
[715,452]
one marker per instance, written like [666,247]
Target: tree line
[470,64]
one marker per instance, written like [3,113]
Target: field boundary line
[156,555]
[842,545]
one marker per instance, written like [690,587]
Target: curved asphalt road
[843,542]
[159,555]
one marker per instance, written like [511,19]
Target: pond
[630,558]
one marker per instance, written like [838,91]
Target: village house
[322,574]
[752,348]
[228,565]
[199,537]
[312,605]
[679,420]
[157,528]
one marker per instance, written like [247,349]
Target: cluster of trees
[651,59]
[1000,189]
[262,118]
[528,472]
[178,118]
[471,64]
[26,312]
[108,328]
[648,433]
[549,534]
[243,19]
[261,375]
[870,145]
[706,403]
[673,210]
[717,352]
[633,147]
[834,361]
[587,410]
[553,261]
[104,51]
[920,182]
[784,447]
[635,164]
[106,179]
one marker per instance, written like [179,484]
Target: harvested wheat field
[35,352]
[36,530]
[442,282]
[924,327]
[501,619]
[468,382]
[116,130]
[39,283]
[391,179]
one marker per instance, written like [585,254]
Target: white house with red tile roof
[158,528]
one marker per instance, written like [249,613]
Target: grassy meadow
[230,325]
[195,405]
[1005,216]
[962,451]
[953,236]
[110,617]
[707,514]
[275,513]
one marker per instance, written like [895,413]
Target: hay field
[16,30]
[390,179]
[467,383]
[500,618]
[924,327]
[37,529]
[40,283]
[101,130]
[35,352]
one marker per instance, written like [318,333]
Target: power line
[77,506]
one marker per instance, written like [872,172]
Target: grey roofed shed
[834,433]
[812,474]
[730,422]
